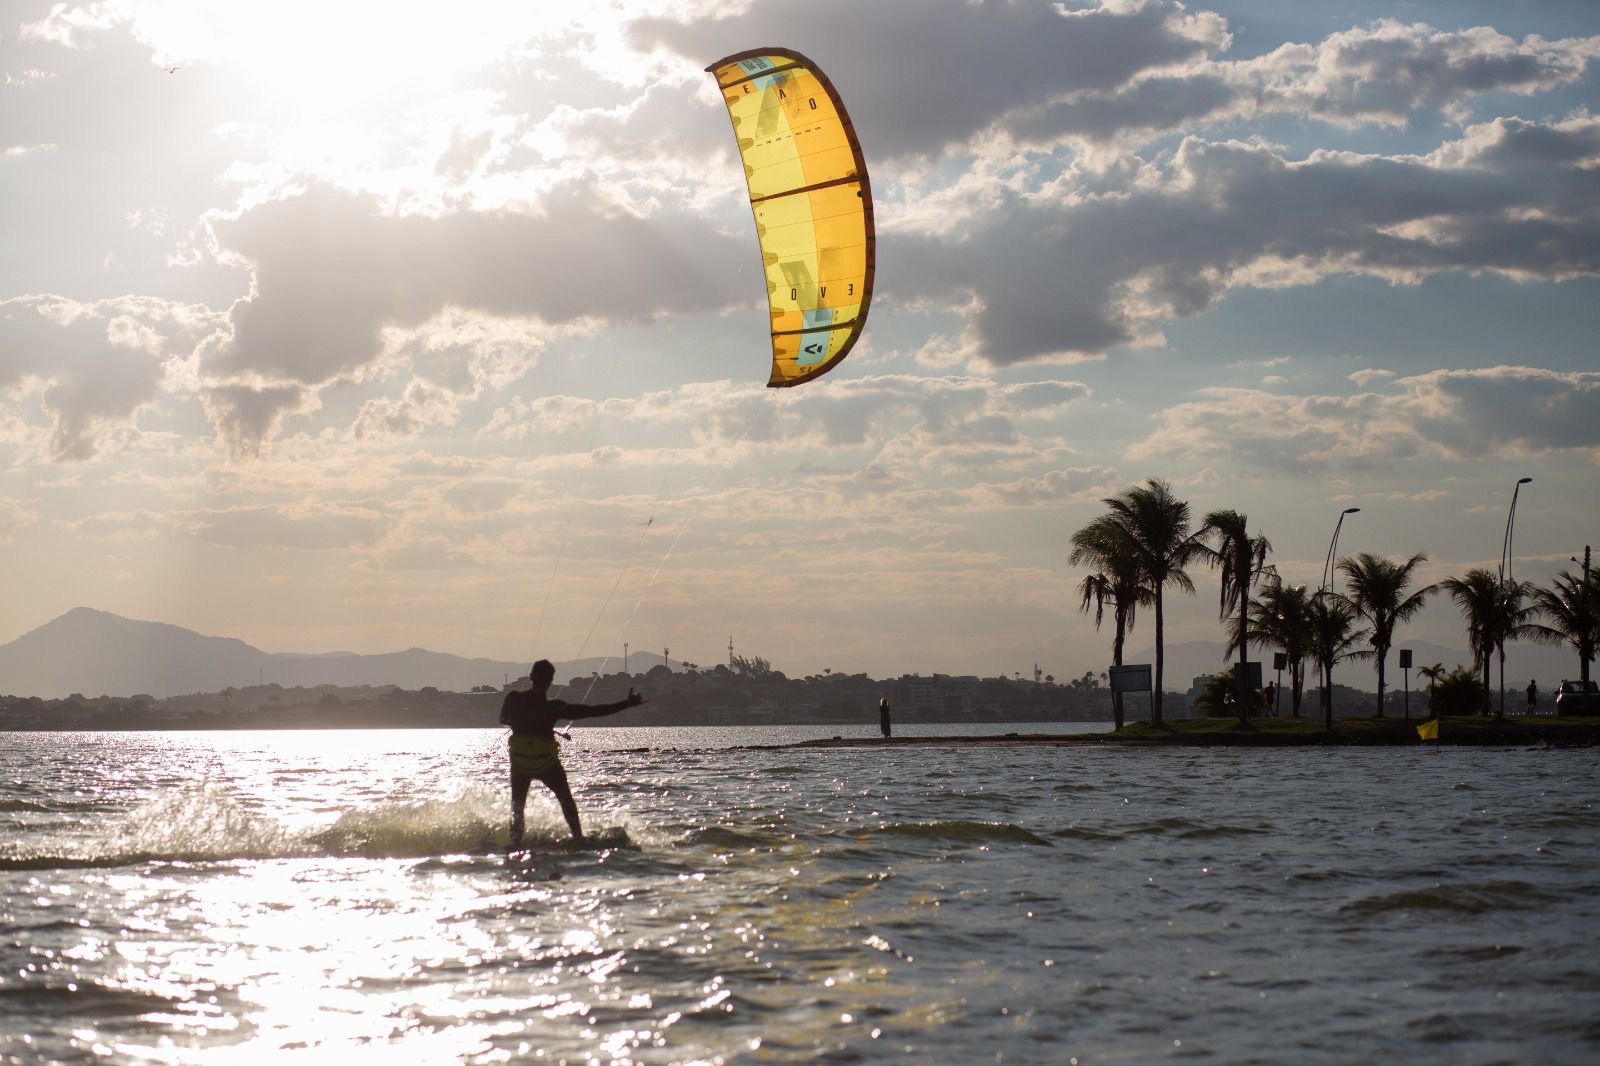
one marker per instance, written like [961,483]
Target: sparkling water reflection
[345,896]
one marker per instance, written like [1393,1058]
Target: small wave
[411,830]
[1484,898]
[7,805]
[1078,832]
[1191,830]
[716,836]
[212,826]
[1474,953]
[45,1000]
[964,832]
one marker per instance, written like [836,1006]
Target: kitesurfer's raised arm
[581,710]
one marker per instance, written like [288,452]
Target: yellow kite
[812,205]
[1429,730]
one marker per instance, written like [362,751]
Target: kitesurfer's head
[543,673]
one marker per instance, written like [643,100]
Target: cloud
[1384,73]
[919,107]
[1051,489]
[94,366]
[15,515]
[1448,414]
[339,285]
[67,24]
[304,527]
[245,416]
[1050,277]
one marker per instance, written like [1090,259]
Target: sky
[358,326]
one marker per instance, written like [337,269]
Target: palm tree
[1378,594]
[1433,674]
[1242,559]
[1279,618]
[1572,607]
[1477,595]
[1116,581]
[1513,621]
[1157,524]
[1334,638]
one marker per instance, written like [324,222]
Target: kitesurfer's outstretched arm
[580,710]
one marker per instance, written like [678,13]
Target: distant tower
[730,651]
[666,657]
[624,656]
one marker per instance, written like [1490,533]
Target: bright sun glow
[341,57]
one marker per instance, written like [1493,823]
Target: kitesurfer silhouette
[883,716]
[535,754]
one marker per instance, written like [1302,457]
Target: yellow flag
[1429,730]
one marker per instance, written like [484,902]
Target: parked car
[1578,697]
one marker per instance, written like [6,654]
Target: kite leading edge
[812,205]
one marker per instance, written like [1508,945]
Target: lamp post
[1511,528]
[1327,567]
[1327,579]
[1505,572]
[1583,602]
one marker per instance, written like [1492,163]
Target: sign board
[1405,658]
[1252,674]
[1280,661]
[1135,678]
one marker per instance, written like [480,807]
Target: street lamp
[1511,526]
[1505,572]
[1327,567]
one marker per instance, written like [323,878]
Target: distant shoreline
[1511,731]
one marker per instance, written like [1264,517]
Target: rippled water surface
[346,897]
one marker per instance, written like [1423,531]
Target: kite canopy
[812,204]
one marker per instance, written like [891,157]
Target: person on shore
[1533,697]
[535,754]
[883,716]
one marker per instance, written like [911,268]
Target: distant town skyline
[340,327]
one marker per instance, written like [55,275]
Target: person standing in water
[535,755]
[883,716]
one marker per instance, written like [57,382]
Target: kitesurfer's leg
[555,779]
[519,802]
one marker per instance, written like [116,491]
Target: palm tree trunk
[1116,660]
[1488,668]
[1383,653]
[1241,684]
[1155,703]
[1500,646]
[1327,697]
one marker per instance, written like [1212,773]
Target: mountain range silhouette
[98,653]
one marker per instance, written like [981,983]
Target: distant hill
[1195,658]
[97,653]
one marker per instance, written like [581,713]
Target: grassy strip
[1511,731]
[1508,731]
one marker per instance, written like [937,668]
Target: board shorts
[535,756]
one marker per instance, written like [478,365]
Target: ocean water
[345,897]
